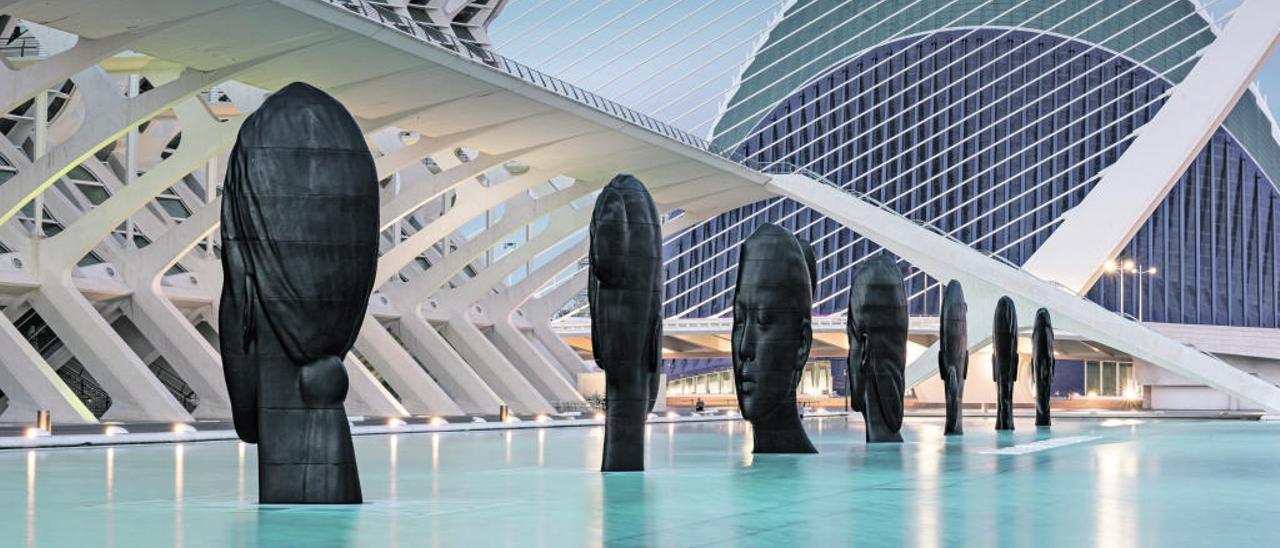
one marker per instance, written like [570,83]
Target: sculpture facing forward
[624,288]
[1042,363]
[300,250]
[953,354]
[1004,360]
[877,329]
[772,335]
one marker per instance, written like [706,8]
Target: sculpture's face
[771,324]
[771,350]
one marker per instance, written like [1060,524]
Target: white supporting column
[419,393]
[95,343]
[17,86]
[534,389]
[367,396]
[31,385]
[41,146]
[135,392]
[502,308]
[107,118]
[471,392]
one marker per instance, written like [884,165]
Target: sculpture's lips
[748,381]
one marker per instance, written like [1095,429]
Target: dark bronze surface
[624,288]
[953,354]
[877,328]
[1042,363]
[300,250]
[772,335]
[1004,360]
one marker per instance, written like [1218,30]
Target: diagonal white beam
[985,279]
[1138,181]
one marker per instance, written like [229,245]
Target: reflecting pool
[1089,482]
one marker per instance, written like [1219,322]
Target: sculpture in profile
[953,354]
[624,288]
[877,328]
[1042,364]
[300,251]
[1004,360]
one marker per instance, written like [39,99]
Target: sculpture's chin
[323,382]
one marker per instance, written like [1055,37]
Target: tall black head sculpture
[624,287]
[772,334]
[953,354]
[1004,360]
[877,328]
[300,250]
[1042,363]
[812,261]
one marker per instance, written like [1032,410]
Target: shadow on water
[318,526]
[626,515]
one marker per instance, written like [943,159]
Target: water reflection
[542,446]
[954,524]
[317,526]
[1116,477]
[179,484]
[393,451]
[240,449]
[929,452]
[625,514]
[435,487]
[110,496]
[31,497]
[111,474]
[393,519]
[671,443]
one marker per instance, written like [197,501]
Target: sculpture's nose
[747,346]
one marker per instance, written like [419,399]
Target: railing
[481,55]
[994,256]
[478,54]
[26,46]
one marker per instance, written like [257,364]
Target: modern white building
[121,113]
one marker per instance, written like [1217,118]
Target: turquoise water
[1118,482]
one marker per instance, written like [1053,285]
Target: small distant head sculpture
[772,335]
[953,354]
[1004,360]
[877,329]
[1042,364]
[624,288]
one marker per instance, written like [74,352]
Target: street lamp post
[1127,266]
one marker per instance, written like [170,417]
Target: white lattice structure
[109,205]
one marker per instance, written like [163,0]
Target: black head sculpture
[300,251]
[1042,363]
[812,261]
[772,334]
[1004,360]
[877,328]
[953,354]
[624,287]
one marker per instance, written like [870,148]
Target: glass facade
[992,135]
